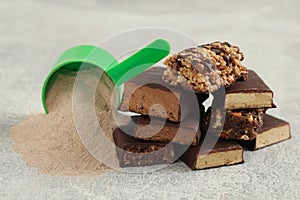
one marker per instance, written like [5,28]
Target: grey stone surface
[33,33]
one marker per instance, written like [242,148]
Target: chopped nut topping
[250,119]
[244,137]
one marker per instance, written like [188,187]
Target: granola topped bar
[206,68]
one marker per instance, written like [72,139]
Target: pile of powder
[50,142]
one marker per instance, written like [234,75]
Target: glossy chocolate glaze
[253,84]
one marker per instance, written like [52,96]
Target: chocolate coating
[184,133]
[253,84]
[271,122]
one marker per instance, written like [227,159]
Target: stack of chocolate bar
[246,121]
[171,124]
[166,120]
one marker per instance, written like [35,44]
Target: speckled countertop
[33,33]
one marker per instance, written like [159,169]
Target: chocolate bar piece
[238,124]
[133,152]
[206,68]
[148,94]
[252,93]
[273,131]
[225,152]
[186,132]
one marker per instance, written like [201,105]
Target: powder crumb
[50,142]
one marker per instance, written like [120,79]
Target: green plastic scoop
[73,58]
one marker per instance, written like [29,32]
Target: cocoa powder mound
[50,142]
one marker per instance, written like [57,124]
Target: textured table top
[33,33]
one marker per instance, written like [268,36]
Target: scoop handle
[140,61]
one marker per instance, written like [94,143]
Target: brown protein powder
[50,142]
